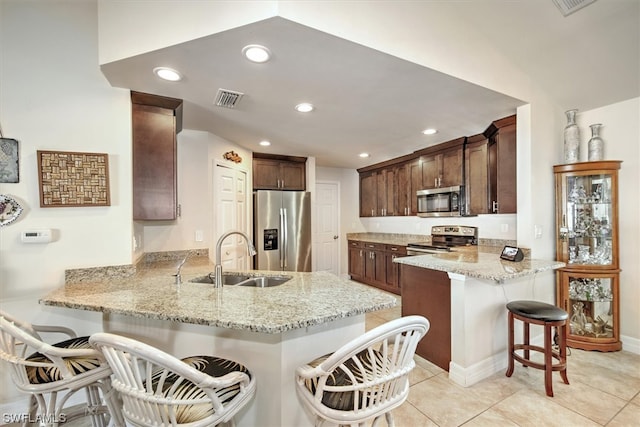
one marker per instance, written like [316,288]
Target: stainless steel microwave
[446,201]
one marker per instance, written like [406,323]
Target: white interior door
[327,228]
[230,212]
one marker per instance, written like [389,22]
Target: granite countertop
[480,264]
[307,299]
[390,238]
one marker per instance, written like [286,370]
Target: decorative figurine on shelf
[578,319]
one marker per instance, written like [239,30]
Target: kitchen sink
[227,279]
[244,280]
[265,281]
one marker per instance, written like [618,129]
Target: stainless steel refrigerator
[282,230]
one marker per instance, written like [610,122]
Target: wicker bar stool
[549,316]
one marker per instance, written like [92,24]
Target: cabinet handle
[435,182]
[360,253]
[372,212]
[494,206]
[394,249]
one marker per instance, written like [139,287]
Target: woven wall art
[73,179]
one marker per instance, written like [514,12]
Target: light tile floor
[604,391]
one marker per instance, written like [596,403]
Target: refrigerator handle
[285,239]
[282,242]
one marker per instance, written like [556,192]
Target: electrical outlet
[504,228]
[537,231]
[199,235]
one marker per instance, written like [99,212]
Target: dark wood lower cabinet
[372,264]
[428,293]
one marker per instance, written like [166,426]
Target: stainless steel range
[444,238]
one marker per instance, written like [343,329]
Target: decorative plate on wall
[10,210]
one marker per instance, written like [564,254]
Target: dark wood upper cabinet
[442,164]
[387,189]
[155,122]
[276,172]
[485,164]
[477,175]
[502,161]
[368,194]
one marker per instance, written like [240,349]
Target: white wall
[621,135]
[198,152]
[55,98]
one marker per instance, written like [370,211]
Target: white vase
[596,145]
[571,138]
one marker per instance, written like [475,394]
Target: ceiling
[369,101]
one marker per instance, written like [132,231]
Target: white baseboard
[630,344]
[477,372]
[498,362]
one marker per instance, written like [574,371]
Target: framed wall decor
[69,179]
[9,170]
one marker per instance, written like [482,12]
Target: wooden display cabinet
[587,241]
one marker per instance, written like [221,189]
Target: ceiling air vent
[228,98]
[567,7]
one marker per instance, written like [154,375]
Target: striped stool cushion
[213,366]
[344,401]
[50,373]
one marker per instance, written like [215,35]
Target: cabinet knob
[335,237]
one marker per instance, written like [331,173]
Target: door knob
[335,237]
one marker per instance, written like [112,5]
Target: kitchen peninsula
[463,293]
[270,330]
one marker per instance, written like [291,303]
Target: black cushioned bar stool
[548,316]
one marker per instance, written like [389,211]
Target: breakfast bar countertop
[480,264]
[307,299]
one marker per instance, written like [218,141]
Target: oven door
[412,251]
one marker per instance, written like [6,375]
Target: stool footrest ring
[530,363]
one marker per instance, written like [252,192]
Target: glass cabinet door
[590,310]
[592,303]
[586,220]
[587,214]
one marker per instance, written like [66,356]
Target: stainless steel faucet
[179,270]
[218,269]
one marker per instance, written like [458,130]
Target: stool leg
[562,345]
[525,334]
[510,346]
[548,365]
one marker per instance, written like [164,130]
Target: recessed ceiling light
[429,131]
[304,107]
[265,143]
[364,155]
[256,53]
[167,74]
